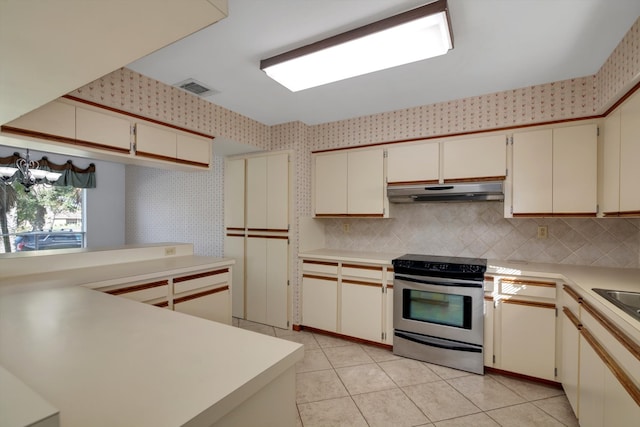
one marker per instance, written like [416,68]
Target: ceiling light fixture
[29,174]
[417,34]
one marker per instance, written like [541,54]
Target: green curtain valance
[72,175]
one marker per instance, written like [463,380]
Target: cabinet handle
[200,294]
[200,275]
[137,288]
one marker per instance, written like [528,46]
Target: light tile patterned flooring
[341,383]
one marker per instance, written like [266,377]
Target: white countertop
[382,258]
[103,360]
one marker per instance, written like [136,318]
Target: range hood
[453,192]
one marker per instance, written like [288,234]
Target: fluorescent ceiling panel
[415,35]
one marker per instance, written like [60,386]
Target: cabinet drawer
[363,271]
[200,280]
[213,304]
[141,291]
[320,267]
[528,288]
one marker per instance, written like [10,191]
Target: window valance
[71,175]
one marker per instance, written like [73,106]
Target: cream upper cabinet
[413,163]
[468,159]
[575,169]
[349,183]
[621,159]
[365,183]
[330,183]
[153,141]
[55,118]
[194,149]
[234,184]
[268,192]
[104,130]
[532,172]
[555,171]
[610,202]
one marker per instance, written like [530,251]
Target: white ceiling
[498,45]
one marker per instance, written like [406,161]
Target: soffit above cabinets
[51,48]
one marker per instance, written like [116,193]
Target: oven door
[439,307]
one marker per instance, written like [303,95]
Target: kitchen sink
[627,301]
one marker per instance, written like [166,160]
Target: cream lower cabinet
[205,294]
[320,295]
[154,292]
[266,280]
[354,300]
[525,327]
[600,366]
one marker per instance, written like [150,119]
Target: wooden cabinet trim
[613,366]
[161,304]
[529,282]
[573,294]
[136,288]
[65,140]
[361,283]
[488,298]
[529,303]
[619,335]
[266,236]
[363,267]
[427,182]
[479,179]
[200,275]
[549,215]
[308,261]
[572,317]
[200,294]
[235,235]
[273,230]
[315,276]
[363,215]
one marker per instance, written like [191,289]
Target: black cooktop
[441,266]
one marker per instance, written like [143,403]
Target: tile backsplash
[478,229]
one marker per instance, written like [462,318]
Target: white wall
[104,207]
[171,206]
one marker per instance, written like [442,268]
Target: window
[45,218]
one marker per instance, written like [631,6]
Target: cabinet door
[365,189]
[528,338]
[277,312]
[630,155]
[591,397]
[575,169]
[103,130]
[234,201]
[320,302]
[152,141]
[213,305]
[620,410]
[389,315]
[418,162]
[257,193]
[532,172]
[193,149]
[488,332]
[361,313]
[611,165]
[330,183]
[234,248]
[55,118]
[278,192]
[484,157]
[256,279]
[570,357]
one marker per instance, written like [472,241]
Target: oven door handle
[443,281]
[439,342]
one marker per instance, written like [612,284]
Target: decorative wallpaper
[165,205]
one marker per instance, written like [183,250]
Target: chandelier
[27,173]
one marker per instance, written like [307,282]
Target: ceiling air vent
[195,87]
